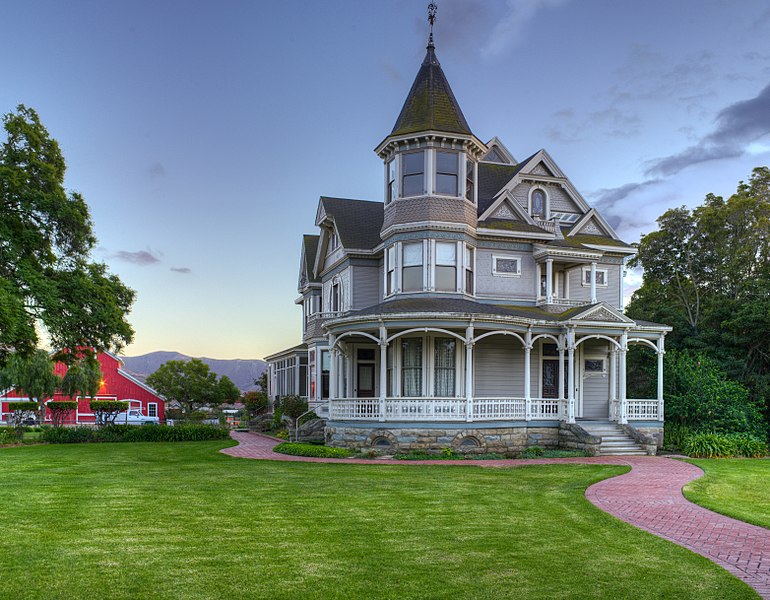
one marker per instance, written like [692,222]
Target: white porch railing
[443,409]
[642,410]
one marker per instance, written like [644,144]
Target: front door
[550,378]
[365,380]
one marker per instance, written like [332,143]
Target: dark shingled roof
[358,221]
[437,306]
[514,226]
[431,105]
[492,178]
[311,249]
[580,241]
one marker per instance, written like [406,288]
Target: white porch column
[593,282]
[469,373]
[332,368]
[623,402]
[383,369]
[548,280]
[562,343]
[527,374]
[661,352]
[614,382]
[571,376]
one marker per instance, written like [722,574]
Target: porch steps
[615,442]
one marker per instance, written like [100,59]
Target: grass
[736,487]
[180,520]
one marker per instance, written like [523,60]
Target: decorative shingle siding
[491,285]
[541,169]
[560,201]
[429,208]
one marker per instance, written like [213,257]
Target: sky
[202,133]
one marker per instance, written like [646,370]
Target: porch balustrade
[444,409]
[642,410]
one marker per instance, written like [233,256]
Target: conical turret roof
[431,105]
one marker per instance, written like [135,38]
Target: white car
[134,416]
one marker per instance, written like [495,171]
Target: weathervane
[432,10]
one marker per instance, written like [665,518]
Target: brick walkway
[648,497]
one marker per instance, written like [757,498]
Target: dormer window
[538,201]
[447,167]
[333,240]
[413,173]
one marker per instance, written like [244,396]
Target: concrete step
[615,442]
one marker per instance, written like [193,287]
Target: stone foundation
[573,437]
[655,431]
[468,439]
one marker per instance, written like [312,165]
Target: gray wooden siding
[609,294]
[366,286]
[596,388]
[496,286]
[498,367]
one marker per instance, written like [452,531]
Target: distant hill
[242,372]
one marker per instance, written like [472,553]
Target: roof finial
[432,10]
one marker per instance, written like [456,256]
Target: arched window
[538,203]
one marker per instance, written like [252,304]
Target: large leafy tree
[47,280]
[31,375]
[192,384]
[83,378]
[707,273]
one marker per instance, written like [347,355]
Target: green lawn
[736,487]
[183,521]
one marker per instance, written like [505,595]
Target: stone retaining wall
[573,437]
[653,431]
[503,440]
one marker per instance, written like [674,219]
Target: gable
[541,169]
[592,224]
[602,313]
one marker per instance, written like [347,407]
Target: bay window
[391,170]
[390,271]
[447,166]
[470,181]
[469,269]
[413,173]
[411,272]
[446,267]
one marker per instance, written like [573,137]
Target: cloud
[611,122]
[607,198]
[736,127]
[183,270]
[508,28]
[142,257]
[156,171]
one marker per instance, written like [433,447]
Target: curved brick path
[648,497]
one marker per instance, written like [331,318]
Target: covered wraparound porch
[476,368]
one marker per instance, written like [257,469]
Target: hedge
[297,449]
[135,433]
[719,445]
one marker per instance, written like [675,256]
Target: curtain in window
[411,367]
[444,367]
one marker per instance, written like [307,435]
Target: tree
[83,378]
[20,412]
[47,282]
[60,411]
[32,376]
[261,382]
[105,411]
[192,385]
[255,403]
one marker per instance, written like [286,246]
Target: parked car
[134,416]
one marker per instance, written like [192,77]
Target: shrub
[293,406]
[297,449]
[8,435]
[675,434]
[105,411]
[130,433]
[60,411]
[255,402]
[749,446]
[709,445]
[532,452]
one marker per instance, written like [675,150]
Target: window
[601,277]
[447,165]
[411,273]
[538,200]
[390,270]
[335,296]
[594,366]
[469,181]
[152,409]
[333,241]
[469,269]
[411,367]
[391,170]
[444,367]
[506,266]
[413,173]
[446,266]
[325,366]
[389,388]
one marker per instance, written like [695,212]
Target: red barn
[117,384]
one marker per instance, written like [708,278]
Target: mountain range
[242,372]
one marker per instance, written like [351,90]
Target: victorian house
[478,306]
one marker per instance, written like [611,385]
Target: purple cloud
[142,257]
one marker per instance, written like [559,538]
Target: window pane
[413,185]
[412,254]
[600,278]
[365,354]
[411,279]
[413,163]
[446,184]
[391,170]
[507,265]
[468,281]
[444,367]
[445,253]
[391,258]
[538,202]
[411,367]
[446,162]
[446,279]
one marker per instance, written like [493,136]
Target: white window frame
[152,407]
[334,241]
[402,266]
[469,265]
[458,172]
[391,185]
[586,277]
[435,263]
[402,173]
[496,273]
[390,257]
[336,282]
[589,357]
